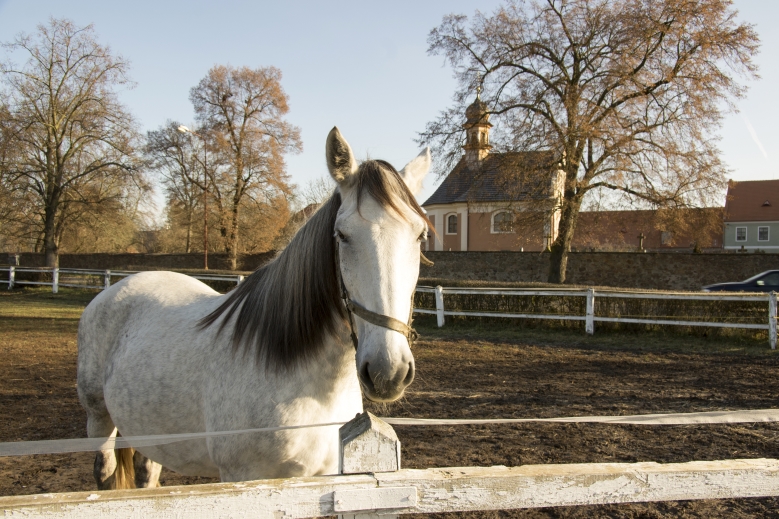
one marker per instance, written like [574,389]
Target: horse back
[143,305]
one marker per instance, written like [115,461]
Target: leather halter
[363,313]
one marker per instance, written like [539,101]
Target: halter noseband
[384,321]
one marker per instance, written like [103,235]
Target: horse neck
[303,278]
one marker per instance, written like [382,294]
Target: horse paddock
[467,370]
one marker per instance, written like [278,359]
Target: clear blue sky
[362,66]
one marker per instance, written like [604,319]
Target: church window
[502,221]
[451,224]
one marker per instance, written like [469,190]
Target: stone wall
[216,261]
[663,271]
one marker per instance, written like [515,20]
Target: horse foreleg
[113,467]
[105,460]
[147,472]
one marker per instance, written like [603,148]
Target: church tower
[477,131]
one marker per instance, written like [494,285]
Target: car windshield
[758,276]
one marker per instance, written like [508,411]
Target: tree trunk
[233,240]
[189,230]
[50,246]
[558,262]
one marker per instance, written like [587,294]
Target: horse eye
[341,236]
[423,236]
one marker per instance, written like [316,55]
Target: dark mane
[285,310]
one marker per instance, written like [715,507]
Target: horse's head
[378,231]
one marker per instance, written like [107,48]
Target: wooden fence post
[11,277]
[772,319]
[369,445]
[589,323]
[55,280]
[106,279]
[439,304]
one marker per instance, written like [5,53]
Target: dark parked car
[767,281]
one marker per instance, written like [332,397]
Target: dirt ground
[462,374]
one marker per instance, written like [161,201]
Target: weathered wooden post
[589,321]
[369,445]
[11,277]
[55,280]
[106,279]
[439,305]
[772,319]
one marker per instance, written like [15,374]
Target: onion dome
[476,112]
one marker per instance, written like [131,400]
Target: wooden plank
[438,490]
[748,296]
[533,486]
[561,317]
[680,323]
[368,444]
[514,292]
[439,305]
[589,326]
[295,497]
[374,499]
[772,319]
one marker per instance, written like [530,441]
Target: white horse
[162,353]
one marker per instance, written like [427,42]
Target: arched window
[502,221]
[451,224]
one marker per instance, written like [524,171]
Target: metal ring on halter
[384,321]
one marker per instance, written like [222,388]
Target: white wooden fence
[68,277]
[589,316]
[81,278]
[372,484]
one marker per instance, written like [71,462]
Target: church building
[487,196]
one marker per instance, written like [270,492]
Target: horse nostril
[410,375]
[365,377]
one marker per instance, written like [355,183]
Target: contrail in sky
[753,133]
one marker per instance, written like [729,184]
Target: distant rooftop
[752,201]
[500,177]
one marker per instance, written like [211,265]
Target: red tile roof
[752,201]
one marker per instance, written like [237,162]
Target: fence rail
[371,484]
[590,317]
[61,277]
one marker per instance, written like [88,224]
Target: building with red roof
[752,215]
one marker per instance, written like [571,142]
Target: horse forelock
[379,180]
[286,310]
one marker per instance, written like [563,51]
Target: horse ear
[415,171]
[340,159]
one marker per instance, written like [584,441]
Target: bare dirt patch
[462,372]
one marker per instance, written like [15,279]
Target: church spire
[477,131]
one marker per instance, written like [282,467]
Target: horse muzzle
[384,367]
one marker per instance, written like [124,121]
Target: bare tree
[242,109]
[181,165]
[317,191]
[74,143]
[626,94]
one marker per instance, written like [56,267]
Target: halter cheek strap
[363,313]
